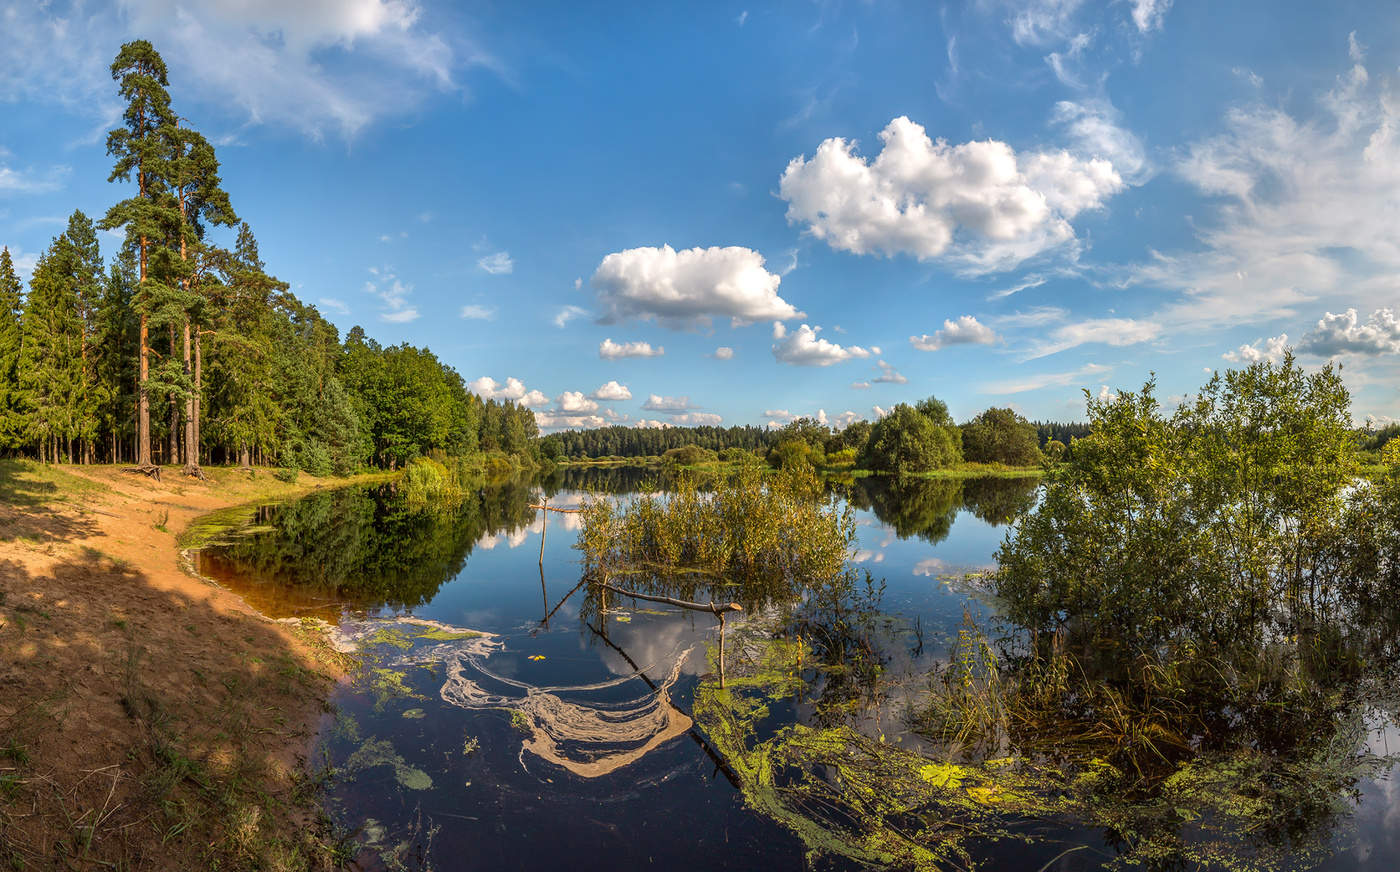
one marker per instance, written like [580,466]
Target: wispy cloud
[497,264]
[478,313]
[567,314]
[1037,380]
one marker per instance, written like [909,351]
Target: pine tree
[141,148]
[194,178]
[12,418]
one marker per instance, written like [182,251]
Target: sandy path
[147,718]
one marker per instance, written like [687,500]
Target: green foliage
[912,439]
[247,372]
[842,457]
[1202,522]
[286,474]
[770,534]
[1000,436]
[12,417]
[636,442]
[688,455]
[795,454]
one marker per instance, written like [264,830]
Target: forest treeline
[633,442]
[181,351]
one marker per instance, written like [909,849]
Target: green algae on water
[848,795]
[375,752]
[438,634]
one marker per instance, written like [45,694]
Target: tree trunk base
[195,472]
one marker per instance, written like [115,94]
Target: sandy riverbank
[148,719]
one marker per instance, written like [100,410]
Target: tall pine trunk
[191,442]
[174,410]
[198,389]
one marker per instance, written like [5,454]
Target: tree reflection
[360,548]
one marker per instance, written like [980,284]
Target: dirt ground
[148,719]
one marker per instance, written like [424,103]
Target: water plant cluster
[766,536]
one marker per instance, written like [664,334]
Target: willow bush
[1235,510]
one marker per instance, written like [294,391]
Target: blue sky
[705,213]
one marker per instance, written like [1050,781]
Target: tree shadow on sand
[144,728]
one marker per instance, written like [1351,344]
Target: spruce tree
[83,267]
[115,351]
[51,351]
[12,417]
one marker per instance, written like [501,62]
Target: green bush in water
[773,536]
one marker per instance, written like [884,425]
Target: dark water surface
[499,725]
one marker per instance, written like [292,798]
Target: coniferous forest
[182,350]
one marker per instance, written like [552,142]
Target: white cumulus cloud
[1270,349]
[697,419]
[669,405]
[553,421]
[514,390]
[609,350]
[979,205]
[574,402]
[612,391]
[1343,332]
[802,347]
[967,330]
[688,289]
[724,352]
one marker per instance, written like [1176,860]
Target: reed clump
[771,536]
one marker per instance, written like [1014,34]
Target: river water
[500,723]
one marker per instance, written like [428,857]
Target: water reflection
[361,548]
[927,507]
[547,738]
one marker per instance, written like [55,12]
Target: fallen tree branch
[712,608]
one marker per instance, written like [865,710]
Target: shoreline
[149,717]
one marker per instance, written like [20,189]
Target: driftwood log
[151,470]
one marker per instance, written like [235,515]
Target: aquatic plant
[846,794]
[771,536]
